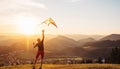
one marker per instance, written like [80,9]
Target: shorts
[40,53]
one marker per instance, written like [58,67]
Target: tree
[115,55]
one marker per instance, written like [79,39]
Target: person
[40,52]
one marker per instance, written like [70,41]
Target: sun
[26,25]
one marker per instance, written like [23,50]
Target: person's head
[38,39]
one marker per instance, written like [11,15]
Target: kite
[50,21]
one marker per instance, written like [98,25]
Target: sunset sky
[71,16]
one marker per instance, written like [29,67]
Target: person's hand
[43,30]
[34,44]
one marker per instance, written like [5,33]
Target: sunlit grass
[67,66]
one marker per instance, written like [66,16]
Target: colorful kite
[49,21]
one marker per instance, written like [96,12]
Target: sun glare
[26,25]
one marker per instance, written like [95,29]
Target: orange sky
[71,16]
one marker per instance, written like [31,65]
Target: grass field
[66,66]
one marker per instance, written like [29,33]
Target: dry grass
[67,66]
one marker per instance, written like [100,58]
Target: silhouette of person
[40,52]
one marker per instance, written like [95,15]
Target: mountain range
[87,48]
[111,37]
[61,45]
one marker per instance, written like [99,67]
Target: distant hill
[60,42]
[105,43]
[79,36]
[64,46]
[83,41]
[112,37]
[100,48]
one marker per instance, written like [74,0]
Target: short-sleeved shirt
[40,46]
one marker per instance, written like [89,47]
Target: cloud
[13,6]
[31,3]
[10,8]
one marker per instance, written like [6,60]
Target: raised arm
[43,36]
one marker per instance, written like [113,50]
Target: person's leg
[37,56]
[35,61]
[42,56]
[41,62]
